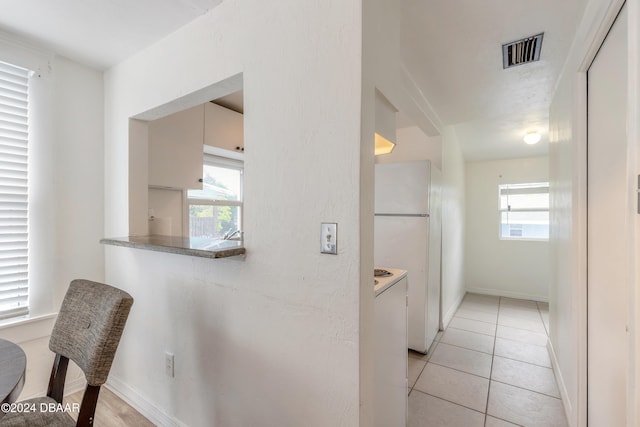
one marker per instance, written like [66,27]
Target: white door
[608,231]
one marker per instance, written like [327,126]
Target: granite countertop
[200,247]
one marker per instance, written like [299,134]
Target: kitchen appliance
[390,348]
[408,236]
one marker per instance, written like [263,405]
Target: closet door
[608,231]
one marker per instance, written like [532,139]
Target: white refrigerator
[408,236]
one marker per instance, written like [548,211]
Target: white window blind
[14,132]
[524,211]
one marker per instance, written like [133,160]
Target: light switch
[329,238]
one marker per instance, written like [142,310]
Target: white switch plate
[329,238]
[168,364]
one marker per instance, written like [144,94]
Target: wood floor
[111,411]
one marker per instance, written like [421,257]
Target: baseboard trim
[141,404]
[508,294]
[74,386]
[564,395]
[446,319]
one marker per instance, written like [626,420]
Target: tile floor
[490,368]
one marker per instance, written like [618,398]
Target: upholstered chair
[87,331]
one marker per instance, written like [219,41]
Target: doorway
[607,230]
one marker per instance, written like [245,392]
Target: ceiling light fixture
[382,145]
[385,125]
[532,137]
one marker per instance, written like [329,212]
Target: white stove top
[388,281]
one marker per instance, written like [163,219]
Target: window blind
[524,197]
[14,132]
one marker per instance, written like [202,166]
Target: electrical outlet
[168,364]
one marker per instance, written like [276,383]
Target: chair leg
[58,376]
[88,406]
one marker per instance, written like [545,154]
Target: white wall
[167,207]
[414,144]
[273,339]
[514,268]
[453,224]
[66,199]
[78,173]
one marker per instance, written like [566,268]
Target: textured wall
[272,340]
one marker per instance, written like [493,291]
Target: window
[524,211]
[14,133]
[215,212]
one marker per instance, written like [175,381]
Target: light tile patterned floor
[490,368]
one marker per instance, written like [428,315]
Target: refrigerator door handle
[404,215]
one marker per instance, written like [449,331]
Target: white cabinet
[176,143]
[390,356]
[175,149]
[223,128]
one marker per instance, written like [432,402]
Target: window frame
[539,184]
[222,162]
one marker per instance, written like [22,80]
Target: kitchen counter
[200,247]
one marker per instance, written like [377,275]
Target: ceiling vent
[521,51]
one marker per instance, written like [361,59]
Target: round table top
[13,364]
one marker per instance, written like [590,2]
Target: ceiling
[99,33]
[451,48]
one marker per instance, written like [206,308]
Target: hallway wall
[514,268]
[453,224]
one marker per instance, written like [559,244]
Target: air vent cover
[521,51]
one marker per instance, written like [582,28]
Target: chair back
[89,327]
